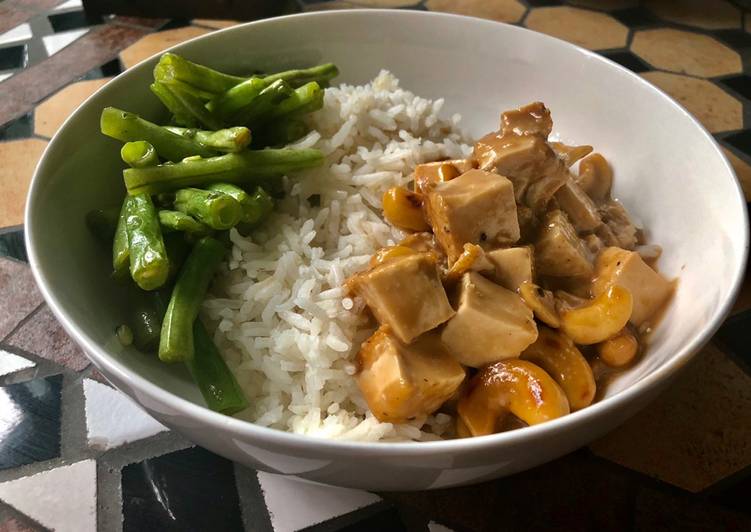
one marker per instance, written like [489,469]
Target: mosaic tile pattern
[683,464]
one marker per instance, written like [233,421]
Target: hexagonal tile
[385,3]
[216,24]
[607,5]
[501,10]
[742,171]
[697,433]
[715,15]
[685,52]
[51,113]
[589,29]
[19,158]
[156,42]
[712,106]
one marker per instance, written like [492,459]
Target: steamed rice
[285,324]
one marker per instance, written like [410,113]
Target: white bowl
[669,173]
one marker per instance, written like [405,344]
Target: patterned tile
[635,17]
[113,419]
[19,158]
[715,15]
[14,525]
[45,337]
[589,29]
[685,52]
[43,497]
[608,5]
[72,20]
[51,113]
[216,24]
[714,108]
[156,42]
[628,60]
[733,337]
[30,422]
[10,363]
[20,128]
[12,57]
[699,430]
[18,294]
[667,512]
[12,244]
[502,10]
[192,487]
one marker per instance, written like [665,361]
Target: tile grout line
[23,322]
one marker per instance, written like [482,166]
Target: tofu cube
[491,323]
[649,289]
[400,382]
[513,266]
[439,172]
[406,294]
[477,207]
[559,252]
[579,207]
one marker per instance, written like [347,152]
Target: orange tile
[697,433]
[19,158]
[714,15]
[50,114]
[216,24]
[156,42]
[589,29]
[685,52]
[501,10]
[712,106]
[742,170]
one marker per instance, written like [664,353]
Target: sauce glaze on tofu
[517,274]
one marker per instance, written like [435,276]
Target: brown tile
[742,170]
[51,113]
[589,29]
[13,525]
[150,23]
[712,106]
[697,433]
[501,10]
[216,24]
[714,15]
[42,335]
[666,512]
[18,294]
[607,5]
[15,12]
[100,44]
[18,158]
[685,52]
[156,42]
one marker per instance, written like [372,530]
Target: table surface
[69,462]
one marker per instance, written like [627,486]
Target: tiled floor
[68,462]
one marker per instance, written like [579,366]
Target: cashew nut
[556,353]
[619,350]
[461,429]
[403,208]
[472,258]
[541,302]
[602,318]
[516,386]
[570,154]
[595,177]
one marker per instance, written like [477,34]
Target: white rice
[285,325]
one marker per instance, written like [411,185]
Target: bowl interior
[669,173]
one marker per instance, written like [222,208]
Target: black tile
[374,518]
[734,333]
[733,492]
[175,23]
[543,3]
[111,68]
[20,128]
[30,422]
[73,21]
[740,84]
[13,57]
[634,17]
[186,490]
[741,141]
[629,60]
[737,39]
[12,244]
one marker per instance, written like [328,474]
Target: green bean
[256,206]
[139,154]
[176,341]
[179,221]
[263,105]
[280,132]
[228,140]
[182,115]
[210,372]
[305,99]
[178,248]
[103,223]
[237,168]
[149,265]
[321,74]
[128,127]
[193,105]
[238,97]
[120,245]
[214,209]
[202,79]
